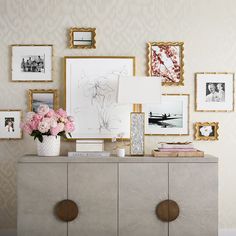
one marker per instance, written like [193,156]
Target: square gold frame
[33,45]
[197,135]
[21,133]
[181,45]
[53,91]
[93,35]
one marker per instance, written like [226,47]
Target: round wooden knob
[66,210]
[167,210]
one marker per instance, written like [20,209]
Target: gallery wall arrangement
[71,54]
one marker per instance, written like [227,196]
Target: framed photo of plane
[170,117]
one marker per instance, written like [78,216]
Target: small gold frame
[179,44]
[53,91]
[21,115]
[33,45]
[89,46]
[198,136]
[212,73]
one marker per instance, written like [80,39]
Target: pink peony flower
[44,126]
[69,127]
[51,113]
[61,127]
[71,118]
[43,109]
[26,128]
[62,113]
[34,124]
[54,131]
[29,116]
[38,117]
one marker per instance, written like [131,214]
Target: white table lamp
[138,91]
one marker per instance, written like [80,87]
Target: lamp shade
[139,90]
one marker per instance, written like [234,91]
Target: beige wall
[207,28]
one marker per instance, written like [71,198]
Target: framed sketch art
[32,63]
[10,124]
[214,92]
[43,96]
[206,131]
[91,96]
[170,117]
[165,60]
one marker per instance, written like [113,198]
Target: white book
[89,145]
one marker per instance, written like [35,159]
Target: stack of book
[177,150]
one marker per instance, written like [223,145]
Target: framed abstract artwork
[83,38]
[91,96]
[43,96]
[10,124]
[206,131]
[165,60]
[214,92]
[170,117]
[32,63]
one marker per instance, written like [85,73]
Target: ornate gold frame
[180,94]
[197,135]
[21,114]
[211,73]
[53,91]
[88,57]
[181,45]
[93,35]
[33,45]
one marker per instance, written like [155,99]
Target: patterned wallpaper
[123,28]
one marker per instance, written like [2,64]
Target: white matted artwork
[171,117]
[214,92]
[10,124]
[32,63]
[91,96]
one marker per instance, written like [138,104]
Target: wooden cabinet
[118,197]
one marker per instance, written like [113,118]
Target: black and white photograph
[32,63]
[10,124]
[214,91]
[38,97]
[169,117]
[206,131]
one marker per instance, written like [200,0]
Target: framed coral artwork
[165,60]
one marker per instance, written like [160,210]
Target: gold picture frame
[186,117]
[11,130]
[179,65]
[18,74]
[210,131]
[77,40]
[198,108]
[54,104]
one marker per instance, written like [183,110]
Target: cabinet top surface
[113,159]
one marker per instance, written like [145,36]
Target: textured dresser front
[118,196]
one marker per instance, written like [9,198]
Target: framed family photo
[43,96]
[165,60]
[206,131]
[214,92]
[83,38]
[32,63]
[170,117]
[10,124]
[91,96]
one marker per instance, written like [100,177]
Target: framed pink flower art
[165,60]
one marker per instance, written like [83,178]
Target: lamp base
[137,120]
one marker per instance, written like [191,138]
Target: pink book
[177,145]
[177,149]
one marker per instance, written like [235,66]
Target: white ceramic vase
[50,146]
[120,152]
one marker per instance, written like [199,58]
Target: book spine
[184,146]
[177,149]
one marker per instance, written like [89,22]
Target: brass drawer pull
[167,211]
[66,210]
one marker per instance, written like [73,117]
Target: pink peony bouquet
[47,122]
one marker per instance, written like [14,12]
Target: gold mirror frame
[93,34]
[197,135]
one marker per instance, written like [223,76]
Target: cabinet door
[93,186]
[141,187]
[194,186]
[40,186]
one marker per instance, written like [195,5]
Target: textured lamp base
[137,120]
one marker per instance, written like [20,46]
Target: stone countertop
[113,159]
